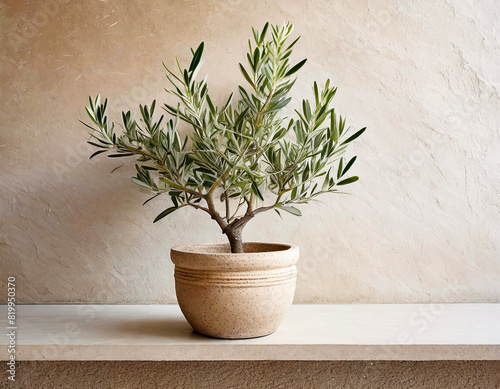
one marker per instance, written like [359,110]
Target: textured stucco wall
[422,223]
[259,375]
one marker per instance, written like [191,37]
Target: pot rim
[199,256]
[195,248]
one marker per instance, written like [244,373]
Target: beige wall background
[421,225]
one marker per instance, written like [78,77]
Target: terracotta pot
[235,296]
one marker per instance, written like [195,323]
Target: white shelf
[309,332]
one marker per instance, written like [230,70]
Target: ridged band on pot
[242,295]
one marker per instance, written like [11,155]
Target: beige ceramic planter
[235,296]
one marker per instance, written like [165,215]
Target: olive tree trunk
[235,240]
[233,232]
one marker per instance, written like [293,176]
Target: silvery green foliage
[244,153]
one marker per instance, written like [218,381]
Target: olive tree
[240,159]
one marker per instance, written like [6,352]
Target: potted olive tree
[240,160]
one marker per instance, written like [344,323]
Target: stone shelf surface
[309,332]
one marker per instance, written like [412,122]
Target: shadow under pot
[235,296]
